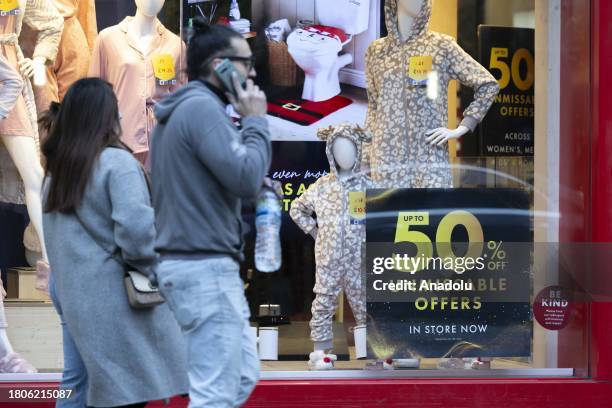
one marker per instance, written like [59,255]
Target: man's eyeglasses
[249,62]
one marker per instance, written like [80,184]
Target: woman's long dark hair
[85,124]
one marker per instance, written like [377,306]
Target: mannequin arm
[302,210]
[42,16]
[373,94]
[372,90]
[440,136]
[469,72]
[314,233]
[34,68]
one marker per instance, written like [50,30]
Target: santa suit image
[340,235]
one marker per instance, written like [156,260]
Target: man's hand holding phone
[250,100]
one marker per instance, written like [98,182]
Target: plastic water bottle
[267,223]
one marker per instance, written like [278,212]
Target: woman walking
[97,219]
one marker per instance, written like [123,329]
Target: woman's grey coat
[130,356]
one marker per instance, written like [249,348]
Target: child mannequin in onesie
[339,236]
[11,86]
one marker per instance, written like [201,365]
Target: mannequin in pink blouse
[126,56]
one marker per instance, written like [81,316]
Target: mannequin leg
[24,154]
[356,296]
[5,344]
[10,362]
[323,308]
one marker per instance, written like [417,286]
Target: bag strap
[116,254]
[123,146]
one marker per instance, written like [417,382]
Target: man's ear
[215,63]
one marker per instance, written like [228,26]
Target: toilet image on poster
[448,273]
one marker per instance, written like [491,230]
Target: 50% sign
[495,258]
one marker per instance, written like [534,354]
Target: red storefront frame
[586,167]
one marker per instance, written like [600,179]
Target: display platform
[35,332]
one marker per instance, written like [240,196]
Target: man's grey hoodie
[202,166]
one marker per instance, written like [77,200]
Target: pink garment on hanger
[74,54]
[18,121]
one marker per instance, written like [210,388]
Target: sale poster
[448,273]
[508,128]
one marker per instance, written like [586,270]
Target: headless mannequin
[143,26]
[22,151]
[144,35]
[407,12]
[345,153]
[35,69]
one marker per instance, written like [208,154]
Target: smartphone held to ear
[224,72]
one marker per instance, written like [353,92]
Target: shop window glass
[488,198]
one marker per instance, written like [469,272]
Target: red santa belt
[303,112]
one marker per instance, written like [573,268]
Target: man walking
[202,167]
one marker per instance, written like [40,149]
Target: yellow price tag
[357,207]
[420,67]
[163,66]
[9,5]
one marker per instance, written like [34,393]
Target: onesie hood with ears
[354,133]
[421,24]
